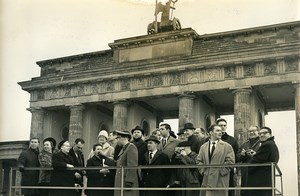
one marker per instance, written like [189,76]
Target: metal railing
[277,188]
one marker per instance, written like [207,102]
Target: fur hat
[103,133]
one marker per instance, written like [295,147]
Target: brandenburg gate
[173,74]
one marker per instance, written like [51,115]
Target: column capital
[190,95]
[36,109]
[242,90]
[76,107]
[121,101]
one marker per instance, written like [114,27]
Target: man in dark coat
[137,134]
[261,176]
[245,152]
[78,161]
[185,177]
[234,144]
[158,177]
[62,175]
[29,158]
[189,131]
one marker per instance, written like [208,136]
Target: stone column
[186,109]
[242,114]
[297,111]
[75,127]
[37,123]
[120,115]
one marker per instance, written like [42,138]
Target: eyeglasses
[263,133]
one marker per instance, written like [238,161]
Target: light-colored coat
[169,148]
[216,177]
[128,156]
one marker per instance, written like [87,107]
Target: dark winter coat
[142,149]
[29,158]
[45,160]
[97,179]
[78,161]
[154,178]
[262,176]
[195,143]
[61,175]
[254,144]
[188,177]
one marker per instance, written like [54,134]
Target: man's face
[188,132]
[111,137]
[78,147]
[98,150]
[158,135]
[264,134]
[34,144]
[216,133]
[164,131]
[199,133]
[253,132]
[182,137]
[151,145]
[137,134]
[223,126]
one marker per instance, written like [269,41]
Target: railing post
[273,179]
[10,182]
[122,180]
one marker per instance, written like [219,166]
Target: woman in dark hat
[45,160]
[62,176]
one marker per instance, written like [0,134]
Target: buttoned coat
[29,158]
[262,175]
[216,176]
[169,148]
[62,175]
[128,156]
[158,177]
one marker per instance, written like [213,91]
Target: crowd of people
[191,147]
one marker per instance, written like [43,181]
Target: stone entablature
[161,79]
[12,150]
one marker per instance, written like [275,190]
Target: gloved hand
[128,184]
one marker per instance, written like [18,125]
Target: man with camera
[245,152]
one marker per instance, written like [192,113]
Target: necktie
[150,157]
[213,148]
[164,142]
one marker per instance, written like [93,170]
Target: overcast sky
[35,30]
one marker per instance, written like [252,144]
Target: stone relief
[157,81]
[94,89]
[212,74]
[291,65]
[192,77]
[67,91]
[270,68]
[125,84]
[249,70]
[230,72]
[110,86]
[80,89]
[53,93]
[41,94]
[175,78]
